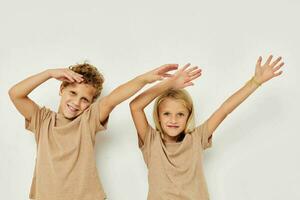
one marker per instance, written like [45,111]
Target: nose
[173,119]
[76,101]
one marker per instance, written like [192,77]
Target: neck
[170,139]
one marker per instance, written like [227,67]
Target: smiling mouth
[72,109]
[172,126]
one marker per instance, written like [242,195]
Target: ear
[61,89]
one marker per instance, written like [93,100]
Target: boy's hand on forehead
[184,76]
[159,73]
[66,74]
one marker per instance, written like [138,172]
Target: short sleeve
[146,145]
[92,116]
[203,134]
[37,119]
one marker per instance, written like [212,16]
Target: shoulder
[44,112]
[201,128]
[151,135]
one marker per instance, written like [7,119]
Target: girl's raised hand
[268,70]
[184,76]
[66,74]
[159,73]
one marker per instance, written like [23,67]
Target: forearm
[141,101]
[23,88]
[238,97]
[125,91]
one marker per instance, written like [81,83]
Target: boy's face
[75,98]
[173,116]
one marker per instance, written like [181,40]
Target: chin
[172,134]
[70,116]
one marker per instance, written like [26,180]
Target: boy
[65,166]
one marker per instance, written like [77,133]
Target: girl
[173,151]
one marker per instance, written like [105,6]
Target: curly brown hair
[91,76]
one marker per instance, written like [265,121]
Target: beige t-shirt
[65,167]
[175,170]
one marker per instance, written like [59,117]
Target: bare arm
[263,73]
[126,90]
[138,105]
[19,92]
[181,79]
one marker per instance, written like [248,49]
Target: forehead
[172,104]
[82,89]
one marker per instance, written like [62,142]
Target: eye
[85,100]
[166,113]
[181,114]
[72,92]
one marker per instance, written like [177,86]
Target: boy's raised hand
[66,74]
[184,76]
[267,71]
[159,73]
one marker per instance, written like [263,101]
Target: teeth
[72,109]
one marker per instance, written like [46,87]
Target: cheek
[163,119]
[67,97]
[183,120]
[64,99]
[84,105]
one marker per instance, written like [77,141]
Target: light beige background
[255,155]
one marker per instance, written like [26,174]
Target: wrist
[254,80]
[257,81]
[49,73]
[141,79]
[168,83]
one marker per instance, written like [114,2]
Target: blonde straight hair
[187,101]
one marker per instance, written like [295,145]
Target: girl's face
[75,98]
[173,116]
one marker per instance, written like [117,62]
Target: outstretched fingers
[276,62]
[195,75]
[195,71]
[258,63]
[185,75]
[278,67]
[191,69]
[192,74]
[185,66]
[167,68]
[188,84]
[269,60]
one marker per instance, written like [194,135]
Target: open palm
[160,73]
[184,76]
[269,70]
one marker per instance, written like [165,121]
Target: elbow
[133,106]
[107,103]
[11,93]
[14,93]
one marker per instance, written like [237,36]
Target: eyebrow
[84,97]
[182,111]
